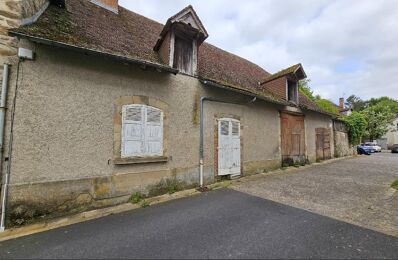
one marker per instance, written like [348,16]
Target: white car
[376,147]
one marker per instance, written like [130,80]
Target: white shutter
[142,131]
[224,127]
[153,131]
[235,128]
[229,147]
[132,130]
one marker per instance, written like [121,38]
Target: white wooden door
[228,146]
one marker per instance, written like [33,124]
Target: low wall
[341,144]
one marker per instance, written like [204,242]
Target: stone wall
[13,13]
[342,145]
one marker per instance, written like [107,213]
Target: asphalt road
[218,224]
[353,190]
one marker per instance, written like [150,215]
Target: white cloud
[346,46]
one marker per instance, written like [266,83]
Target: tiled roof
[85,25]
[284,72]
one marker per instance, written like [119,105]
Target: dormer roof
[188,18]
[295,72]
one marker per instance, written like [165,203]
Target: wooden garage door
[322,144]
[292,138]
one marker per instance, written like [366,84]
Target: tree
[385,101]
[379,120]
[356,125]
[305,89]
[356,103]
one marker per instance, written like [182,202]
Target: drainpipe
[4,88]
[202,123]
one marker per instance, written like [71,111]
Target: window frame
[118,159]
[293,84]
[144,124]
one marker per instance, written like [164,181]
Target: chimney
[341,102]
[111,5]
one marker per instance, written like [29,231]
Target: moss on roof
[85,25]
[284,72]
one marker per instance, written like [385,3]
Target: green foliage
[394,185]
[305,89]
[136,198]
[327,106]
[324,104]
[356,103]
[356,125]
[379,119]
[145,204]
[385,102]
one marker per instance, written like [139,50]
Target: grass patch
[394,185]
[145,204]
[136,198]
[169,186]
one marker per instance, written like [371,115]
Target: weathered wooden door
[228,146]
[322,144]
[292,138]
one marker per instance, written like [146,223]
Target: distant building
[343,109]
[391,138]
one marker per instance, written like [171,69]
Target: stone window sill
[136,160]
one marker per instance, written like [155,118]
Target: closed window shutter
[224,128]
[235,128]
[154,131]
[142,131]
[132,130]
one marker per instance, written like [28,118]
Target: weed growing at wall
[394,185]
[169,186]
[136,198]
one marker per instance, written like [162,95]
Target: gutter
[141,63]
[4,88]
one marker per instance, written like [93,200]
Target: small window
[292,91]
[183,54]
[142,131]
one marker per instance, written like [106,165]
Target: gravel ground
[354,190]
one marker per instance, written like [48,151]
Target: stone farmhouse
[100,102]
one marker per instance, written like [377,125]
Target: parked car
[394,148]
[376,147]
[365,149]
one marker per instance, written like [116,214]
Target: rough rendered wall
[341,143]
[64,131]
[312,121]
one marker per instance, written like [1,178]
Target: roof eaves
[244,91]
[95,52]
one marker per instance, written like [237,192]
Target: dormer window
[284,84]
[292,91]
[180,39]
[184,54]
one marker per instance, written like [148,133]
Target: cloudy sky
[346,46]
